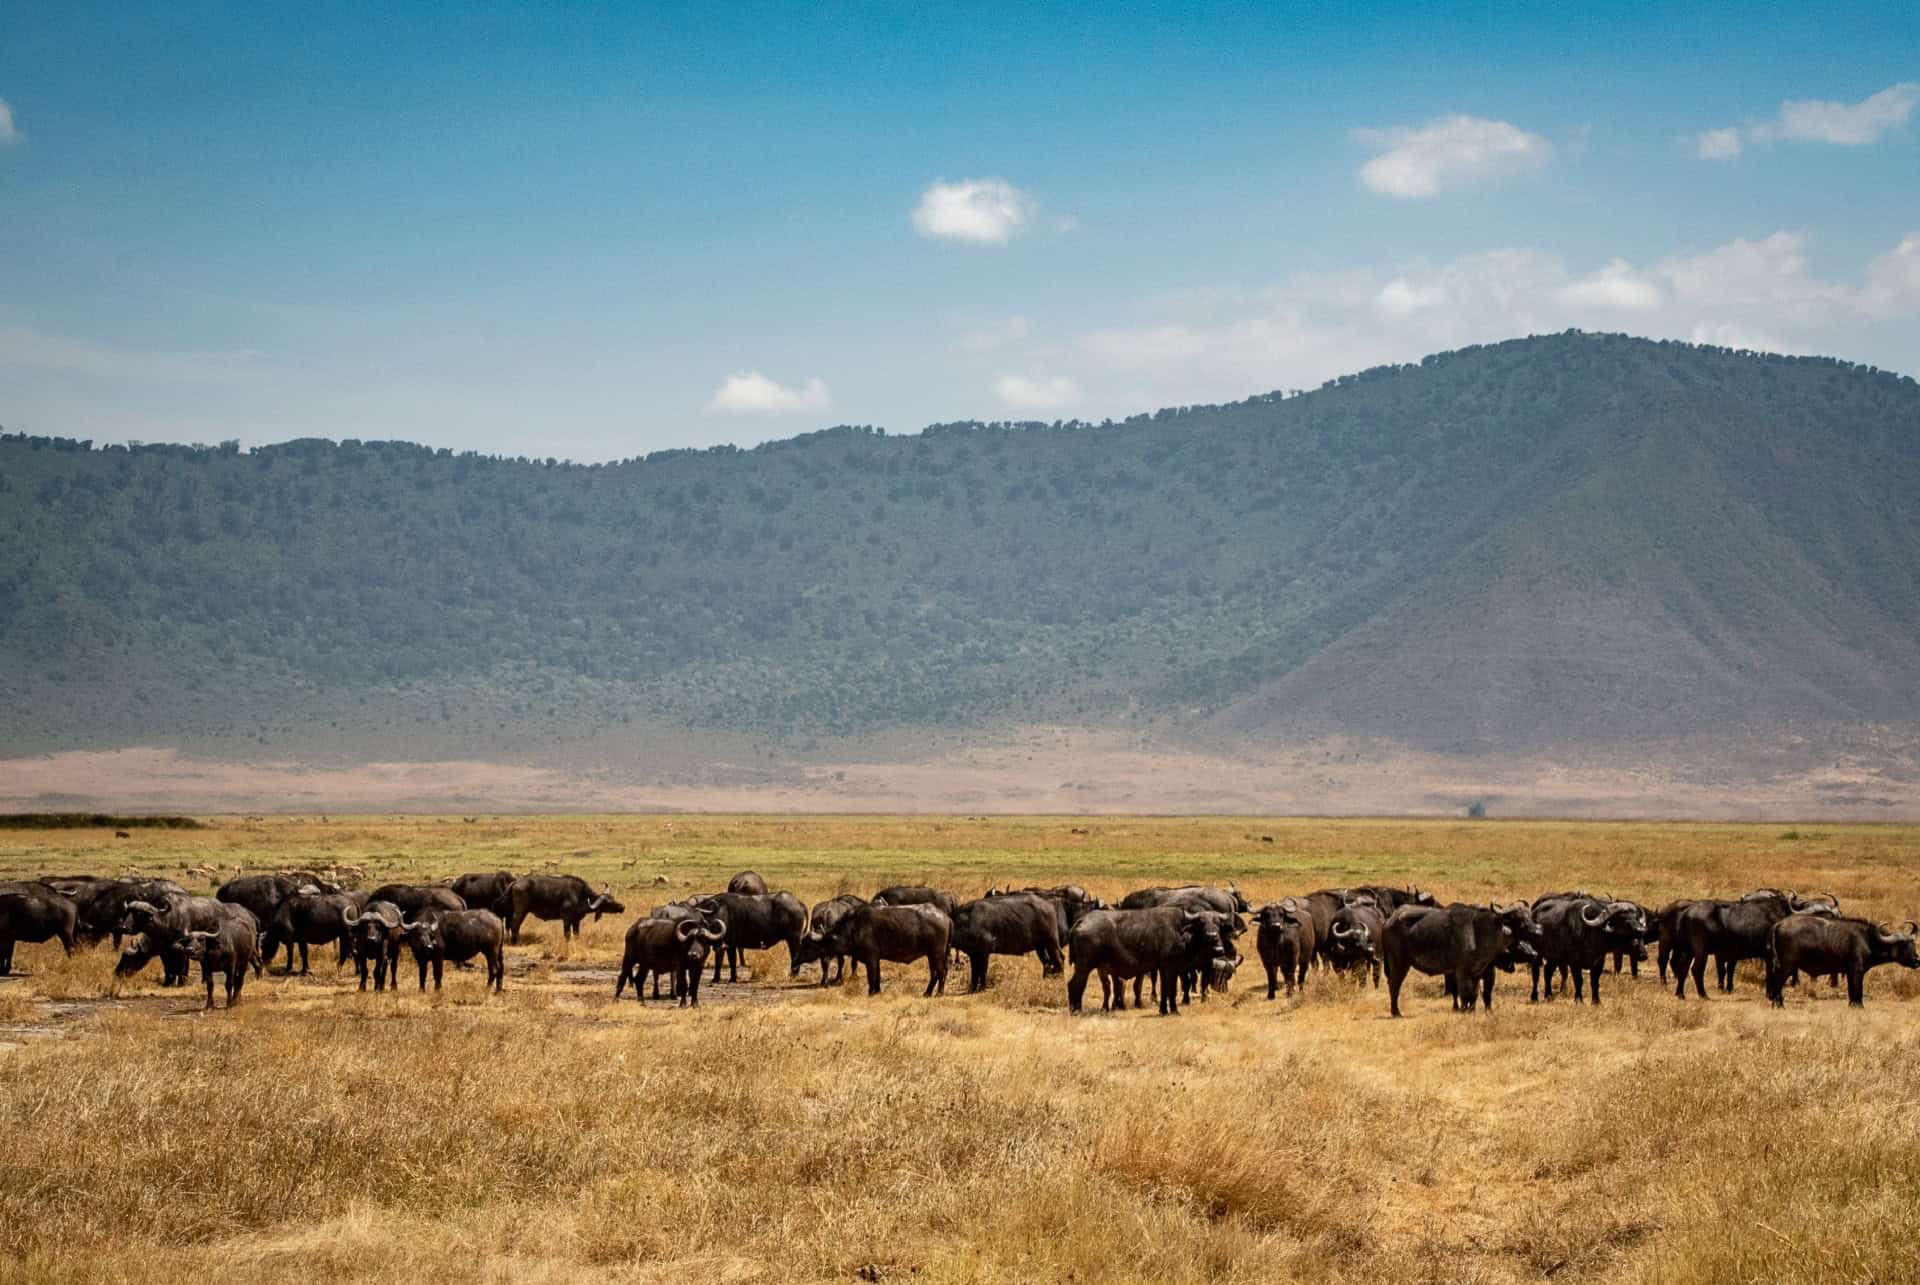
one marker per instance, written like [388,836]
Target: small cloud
[1615,287]
[996,334]
[1893,280]
[1038,392]
[1718,144]
[985,211]
[1402,298]
[748,392]
[1813,120]
[1447,154]
[9,132]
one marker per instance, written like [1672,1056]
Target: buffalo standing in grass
[1353,937]
[1460,943]
[162,927]
[455,936]
[312,919]
[1578,932]
[232,948]
[1019,923]
[1828,944]
[896,934]
[1285,941]
[1125,945]
[263,896]
[676,947]
[825,915]
[376,941]
[101,906]
[748,884]
[567,898]
[755,922]
[484,891]
[417,899]
[33,912]
[1732,931]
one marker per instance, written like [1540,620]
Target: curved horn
[1335,930]
[685,929]
[1830,899]
[349,916]
[1913,928]
[1192,915]
[406,927]
[1591,920]
[714,934]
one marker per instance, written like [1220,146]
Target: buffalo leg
[873,975]
[1077,986]
[1170,990]
[688,985]
[1698,967]
[1857,988]
[206,975]
[438,964]
[1486,990]
[977,974]
[1395,976]
[496,969]
[1594,982]
[1273,980]
[1535,997]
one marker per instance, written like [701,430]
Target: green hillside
[1563,540]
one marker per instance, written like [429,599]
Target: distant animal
[1829,944]
[121,834]
[567,898]
[676,947]
[454,936]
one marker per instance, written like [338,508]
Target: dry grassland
[784,1132]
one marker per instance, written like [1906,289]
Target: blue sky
[596,231]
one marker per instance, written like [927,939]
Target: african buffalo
[1123,945]
[1194,896]
[1353,937]
[416,899]
[824,915]
[567,898]
[1391,899]
[1459,942]
[30,912]
[101,907]
[896,934]
[915,895]
[231,949]
[1732,931]
[1020,923]
[1829,944]
[166,923]
[482,891]
[748,883]
[456,936]
[1578,932]
[376,940]
[262,895]
[1284,938]
[312,919]
[755,922]
[676,947]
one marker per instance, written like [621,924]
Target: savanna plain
[783,1131]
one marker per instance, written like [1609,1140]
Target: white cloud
[1818,120]
[985,211]
[996,334]
[1446,154]
[1036,392]
[1893,280]
[1616,287]
[1766,276]
[748,392]
[9,132]
[1718,144]
[26,348]
[1401,298]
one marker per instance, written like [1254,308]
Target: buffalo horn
[1591,920]
[1337,933]
[685,929]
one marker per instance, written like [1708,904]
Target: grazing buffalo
[165,924]
[1019,923]
[33,912]
[748,884]
[416,899]
[1829,944]
[231,948]
[1284,938]
[896,934]
[1125,945]
[676,947]
[1578,932]
[1194,896]
[1353,937]
[755,922]
[483,891]
[312,919]
[825,914]
[376,940]
[457,936]
[568,898]
[1460,943]
[1732,931]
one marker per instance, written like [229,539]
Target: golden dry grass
[788,1133]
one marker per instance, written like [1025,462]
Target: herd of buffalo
[1176,939]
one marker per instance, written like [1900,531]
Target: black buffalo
[1124,945]
[232,948]
[164,924]
[824,915]
[1391,899]
[1577,934]
[1284,938]
[1020,923]
[416,899]
[916,895]
[485,891]
[312,919]
[896,934]
[456,936]
[567,898]
[1829,944]
[1354,935]
[1732,931]
[263,895]
[1460,943]
[36,913]
[101,906]
[1194,896]
[755,922]
[676,947]
[376,937]
[749,883]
